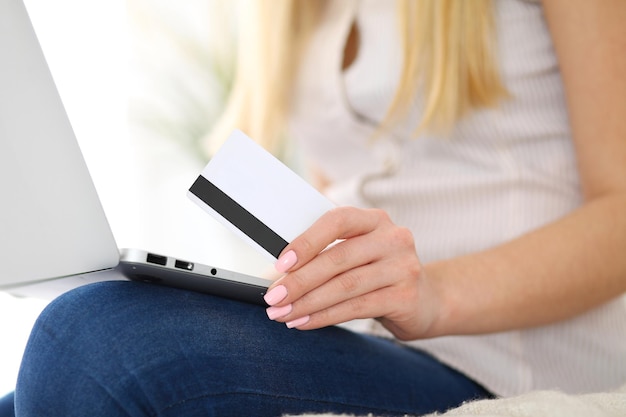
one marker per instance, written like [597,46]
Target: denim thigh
[133,349]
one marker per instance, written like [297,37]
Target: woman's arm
[580,261]
[550,274]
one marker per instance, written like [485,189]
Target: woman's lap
[132,349]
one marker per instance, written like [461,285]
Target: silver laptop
[54,235]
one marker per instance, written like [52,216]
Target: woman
[478,158]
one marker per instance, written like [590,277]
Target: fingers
[348,296]
[364,306]
[338,263]
[374,290]
[339,223]
[369,273]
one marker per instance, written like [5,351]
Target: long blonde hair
[448,50]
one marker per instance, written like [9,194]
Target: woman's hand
[371,272]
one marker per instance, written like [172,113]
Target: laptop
[54,235]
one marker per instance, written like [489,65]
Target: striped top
[504,172]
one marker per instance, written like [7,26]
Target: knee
[116,321]
[79,314]
[75,325]
[66,351]
[116,342]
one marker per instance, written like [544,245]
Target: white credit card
[256,196]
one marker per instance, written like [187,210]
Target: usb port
[156,259]
[183,265]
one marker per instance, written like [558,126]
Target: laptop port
[156,259]
[183,265]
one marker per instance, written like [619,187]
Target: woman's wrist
[440,301]
[431,313]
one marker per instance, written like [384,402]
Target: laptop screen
[51,221]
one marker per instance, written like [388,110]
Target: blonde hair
[448,48]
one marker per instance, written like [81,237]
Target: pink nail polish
[298,322]
[276,312]
[275,295]
[286,261]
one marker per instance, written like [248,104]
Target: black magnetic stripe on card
[241,218]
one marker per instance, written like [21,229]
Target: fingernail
[286,261]
[298,322]
[276,312]
[275,295]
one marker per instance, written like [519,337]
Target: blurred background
[142,82]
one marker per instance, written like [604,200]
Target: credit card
[256,196]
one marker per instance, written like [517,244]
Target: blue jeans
[133,349]
[6,406]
